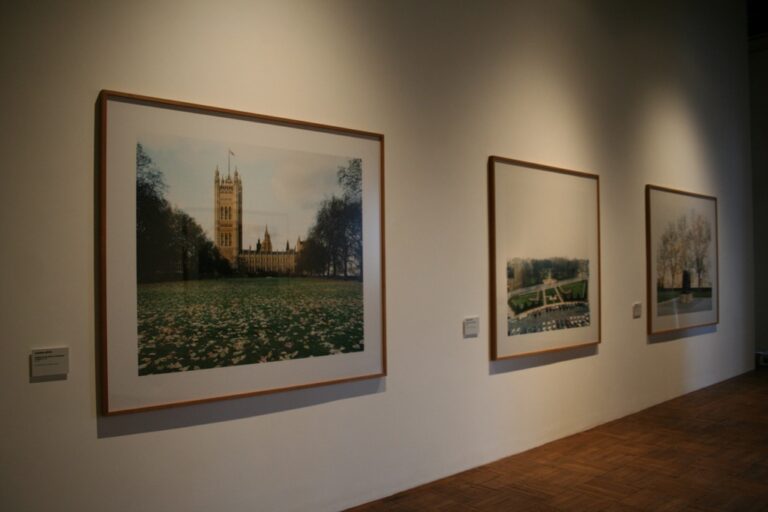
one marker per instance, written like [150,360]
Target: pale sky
[543,214]
[281,188]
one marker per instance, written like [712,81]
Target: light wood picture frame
[681,260]
[544,225]
[231,253]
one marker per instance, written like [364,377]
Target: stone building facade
[228,233]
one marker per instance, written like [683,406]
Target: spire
[267,245]
[229,153]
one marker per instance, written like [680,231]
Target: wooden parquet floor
[706,451]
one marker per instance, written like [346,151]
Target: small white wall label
[471,327]
[49,362]
[637,310]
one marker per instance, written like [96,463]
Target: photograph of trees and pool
[683,266]
[547,294]
[245,254]
[682,278]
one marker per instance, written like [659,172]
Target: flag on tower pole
[228,155]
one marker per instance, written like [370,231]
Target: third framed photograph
[681,241]
[544,258]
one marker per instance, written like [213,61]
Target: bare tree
[684,239]
[664,259]
[683,247]
[674,253]
[700,237]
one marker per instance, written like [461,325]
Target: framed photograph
[681,244]
[239,253]
[544,258]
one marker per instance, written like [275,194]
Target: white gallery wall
[637,92]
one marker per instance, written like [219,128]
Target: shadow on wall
[234,409]
[543,359]
[685,333]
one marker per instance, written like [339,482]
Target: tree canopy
[684,248]
[334,246]
[170,244]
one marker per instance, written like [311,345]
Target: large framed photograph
[681,244]
[544,258]
[239,253]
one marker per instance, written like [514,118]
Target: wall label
[471,327]
[48,362]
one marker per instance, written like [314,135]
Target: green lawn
[665,294]
[524,302]
[702,292]
[575,291]
[527,297]
[193,325]
[552,295]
